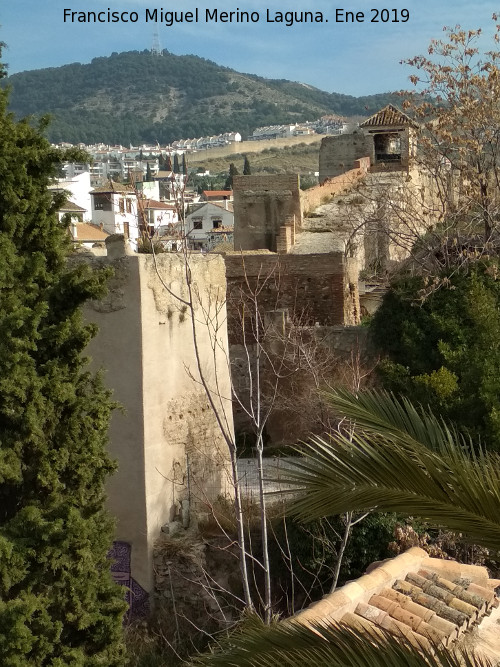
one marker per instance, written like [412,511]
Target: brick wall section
[262,205]
[323,287]
[314,197]
[286,237]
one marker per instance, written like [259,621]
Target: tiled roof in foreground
[427,600]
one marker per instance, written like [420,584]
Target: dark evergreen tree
[229,181]
[445,353]
[168,163]
[149,175]
[58,604]
[246,167]
[176,164]
[184,165]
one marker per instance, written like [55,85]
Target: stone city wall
[320,288]
[320,194]
[249,147]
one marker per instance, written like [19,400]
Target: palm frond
[290,644]
[445,484]
[381,413]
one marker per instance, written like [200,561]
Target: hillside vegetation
[135,97]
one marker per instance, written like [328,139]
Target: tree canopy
[445,352]
[458,87]
[58,604]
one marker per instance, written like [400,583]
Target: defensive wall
[170,454]
[314,197]
[321,288]
[338,153]
[248,147]
[268,210]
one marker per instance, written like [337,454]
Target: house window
[129,206]
[102,202]
[198,224]
[217,224]
[122,206]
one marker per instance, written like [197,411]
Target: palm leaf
[390,465]
[288,644]
[380,413]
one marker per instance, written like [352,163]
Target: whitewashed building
[206,218]
[114,206]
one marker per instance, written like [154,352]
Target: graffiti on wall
[137,598]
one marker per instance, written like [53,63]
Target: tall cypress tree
[58,604]
[233,171]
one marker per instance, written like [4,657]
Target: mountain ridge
[137,97]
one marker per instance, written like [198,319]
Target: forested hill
[135,97]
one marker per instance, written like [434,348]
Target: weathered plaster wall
[262,204]
[166,440]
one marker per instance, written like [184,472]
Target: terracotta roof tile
[217,193]
[423,599]
[389,116]
[71,206]
[114,187]
[158,205]
[88,232]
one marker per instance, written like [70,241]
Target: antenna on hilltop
[156,48]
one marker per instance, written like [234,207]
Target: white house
[160,217]
[78,189]
[206,218]
[114,206]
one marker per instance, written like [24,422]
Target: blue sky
[355,59]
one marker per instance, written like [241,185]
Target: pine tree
[246,167]
[58,604]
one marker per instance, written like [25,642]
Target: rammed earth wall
[166,440]
[262,205]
